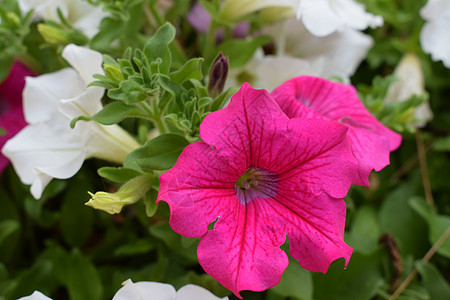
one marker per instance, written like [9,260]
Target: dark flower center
[256,183]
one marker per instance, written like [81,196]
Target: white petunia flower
[323,17]
[35,296]
[80,14]
[301,53]
[48,148]
[434,37]
[410,82]
[148,290]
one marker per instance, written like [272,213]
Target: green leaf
[8,227]
[129,92]
[158,47]
[110,30]
[112,113]
[438,224]
[365,231]
[150,202]
[442,144]
[160,153]
[398,219]
[360,280]
[241,51]
[433,281]
[190,70]
[118,174]
[83,280]
[295,282]
[139,246]
[76,218]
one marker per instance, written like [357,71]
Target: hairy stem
[425,259]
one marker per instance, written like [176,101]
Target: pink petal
[243,251]
[246,125]
[315,228]
[316,159]
[371,141]
[198,189]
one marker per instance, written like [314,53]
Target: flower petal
[243,251]
[35,296]
[191,291]
[371,141]
[85,61]
[317,158]
[323,17]
[42,94]
[147,290]
[43,150]
[200,185]
[315,228]
[244,126]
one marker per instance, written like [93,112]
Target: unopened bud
[56,34]
[218,75]
[113,72]
[128,194]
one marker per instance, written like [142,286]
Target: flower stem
[160,124]
[425,259]
[421,153]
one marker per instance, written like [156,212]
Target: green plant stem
[425,259]
[209,45]
[156,14]
[160,124]
[422,155]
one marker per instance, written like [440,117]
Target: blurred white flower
[298,52]
[434,37]
[148,290]
[410,82]
[48,148]
[35,296]
[323,17]
[80,14]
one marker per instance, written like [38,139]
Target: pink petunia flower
[262,176]
[312,97]
[11,112]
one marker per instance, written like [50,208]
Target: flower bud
[113,72]
[129,193]
[56,34]
[218,75]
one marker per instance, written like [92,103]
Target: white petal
[274,70]
[145,290]
[87,103]
[35,296]
[194,292]
[88,18]
[41,94]
[87,62]
[410,82]
[323,17]
[342,52]
[45,150]
[434,37]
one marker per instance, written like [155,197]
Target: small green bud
[218,75]
[113,72]
[13,19]
[128,194]
[2,131]
[56,34]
